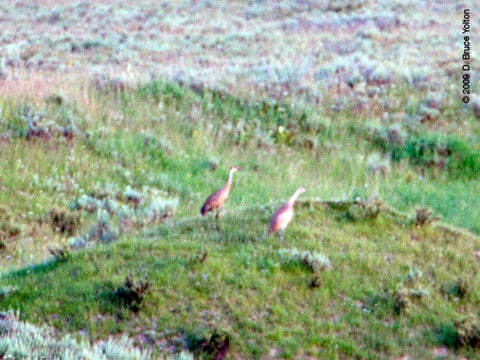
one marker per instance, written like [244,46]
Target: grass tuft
[129,295]
[314,261]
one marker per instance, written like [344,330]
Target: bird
[216,200]
[283,216]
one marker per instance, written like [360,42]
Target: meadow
[117,121]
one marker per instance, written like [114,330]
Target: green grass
[162,139]
[243,288]
[333,96]
[453,200]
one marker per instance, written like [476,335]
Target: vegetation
[109,148]
[20,340]
[376,293]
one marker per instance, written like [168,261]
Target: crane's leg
[217,220]
[282,235]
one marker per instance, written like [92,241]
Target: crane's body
[284,215]
[216,200]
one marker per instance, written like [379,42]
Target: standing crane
[216,200]
[284,215]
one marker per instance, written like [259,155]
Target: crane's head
[234,169]
[301,189]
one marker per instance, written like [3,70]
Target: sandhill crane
[284,215]
[216,200]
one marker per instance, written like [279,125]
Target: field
[118,120]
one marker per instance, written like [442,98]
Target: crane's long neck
[229,181]
[294,197]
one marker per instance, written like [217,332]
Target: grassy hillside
[390,288]
[92,191]
[169,147]
[117,120]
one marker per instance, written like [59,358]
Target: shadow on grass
[37,269]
